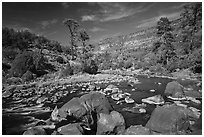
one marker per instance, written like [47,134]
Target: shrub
[158,68]
[33,61]
[60,60]
[28,76]
[128,64]
[76,66]
[90,67]
[66,72]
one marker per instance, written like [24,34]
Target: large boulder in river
[174,89]
[169,119]
[35,131]
[72,108]
[96,102]
[82,108]
[137,130]
[112,123]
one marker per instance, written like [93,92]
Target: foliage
[90,67]
[60,59]
[23,39]
[33,61]
[164,47]
[67,71]
[81,51]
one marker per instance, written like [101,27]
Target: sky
[100,19]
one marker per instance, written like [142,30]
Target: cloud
[88,18]
[114,11]
[96,29]
[152,21]
[65,5]
[46,23]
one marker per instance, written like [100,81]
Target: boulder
[169,119]
[85,109]
[35,131]
[157,99]
[137,130]
[112,123]
[72,108]
[174,89]
[96,102]
[71,129]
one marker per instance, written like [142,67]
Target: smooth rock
[129,100]
[157,99]
[174,89]
[137,130]
[112,123]
[169,119]
[71,129]
[35,131]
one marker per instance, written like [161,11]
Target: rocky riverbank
[40,98]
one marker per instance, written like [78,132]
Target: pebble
[142,110]
[129,100]
[152,90]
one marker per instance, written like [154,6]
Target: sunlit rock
[157,99]
[129,100]
[169,119]
[137,130]
[175,90]
[112,123]
[70,129]
[35,131]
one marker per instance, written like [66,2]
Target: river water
[16,123]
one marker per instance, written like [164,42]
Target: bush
[76,66]
[158,68]
[60,60]
[90,67]
[66,72]
[128,64]
[28,76]
[33,61]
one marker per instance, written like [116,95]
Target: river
[15,123]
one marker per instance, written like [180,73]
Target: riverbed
[16,122]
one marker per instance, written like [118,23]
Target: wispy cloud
[65,5]
[115,11]
[152,21]
[88,18]
[96,29]
[46,23]
[51,33]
